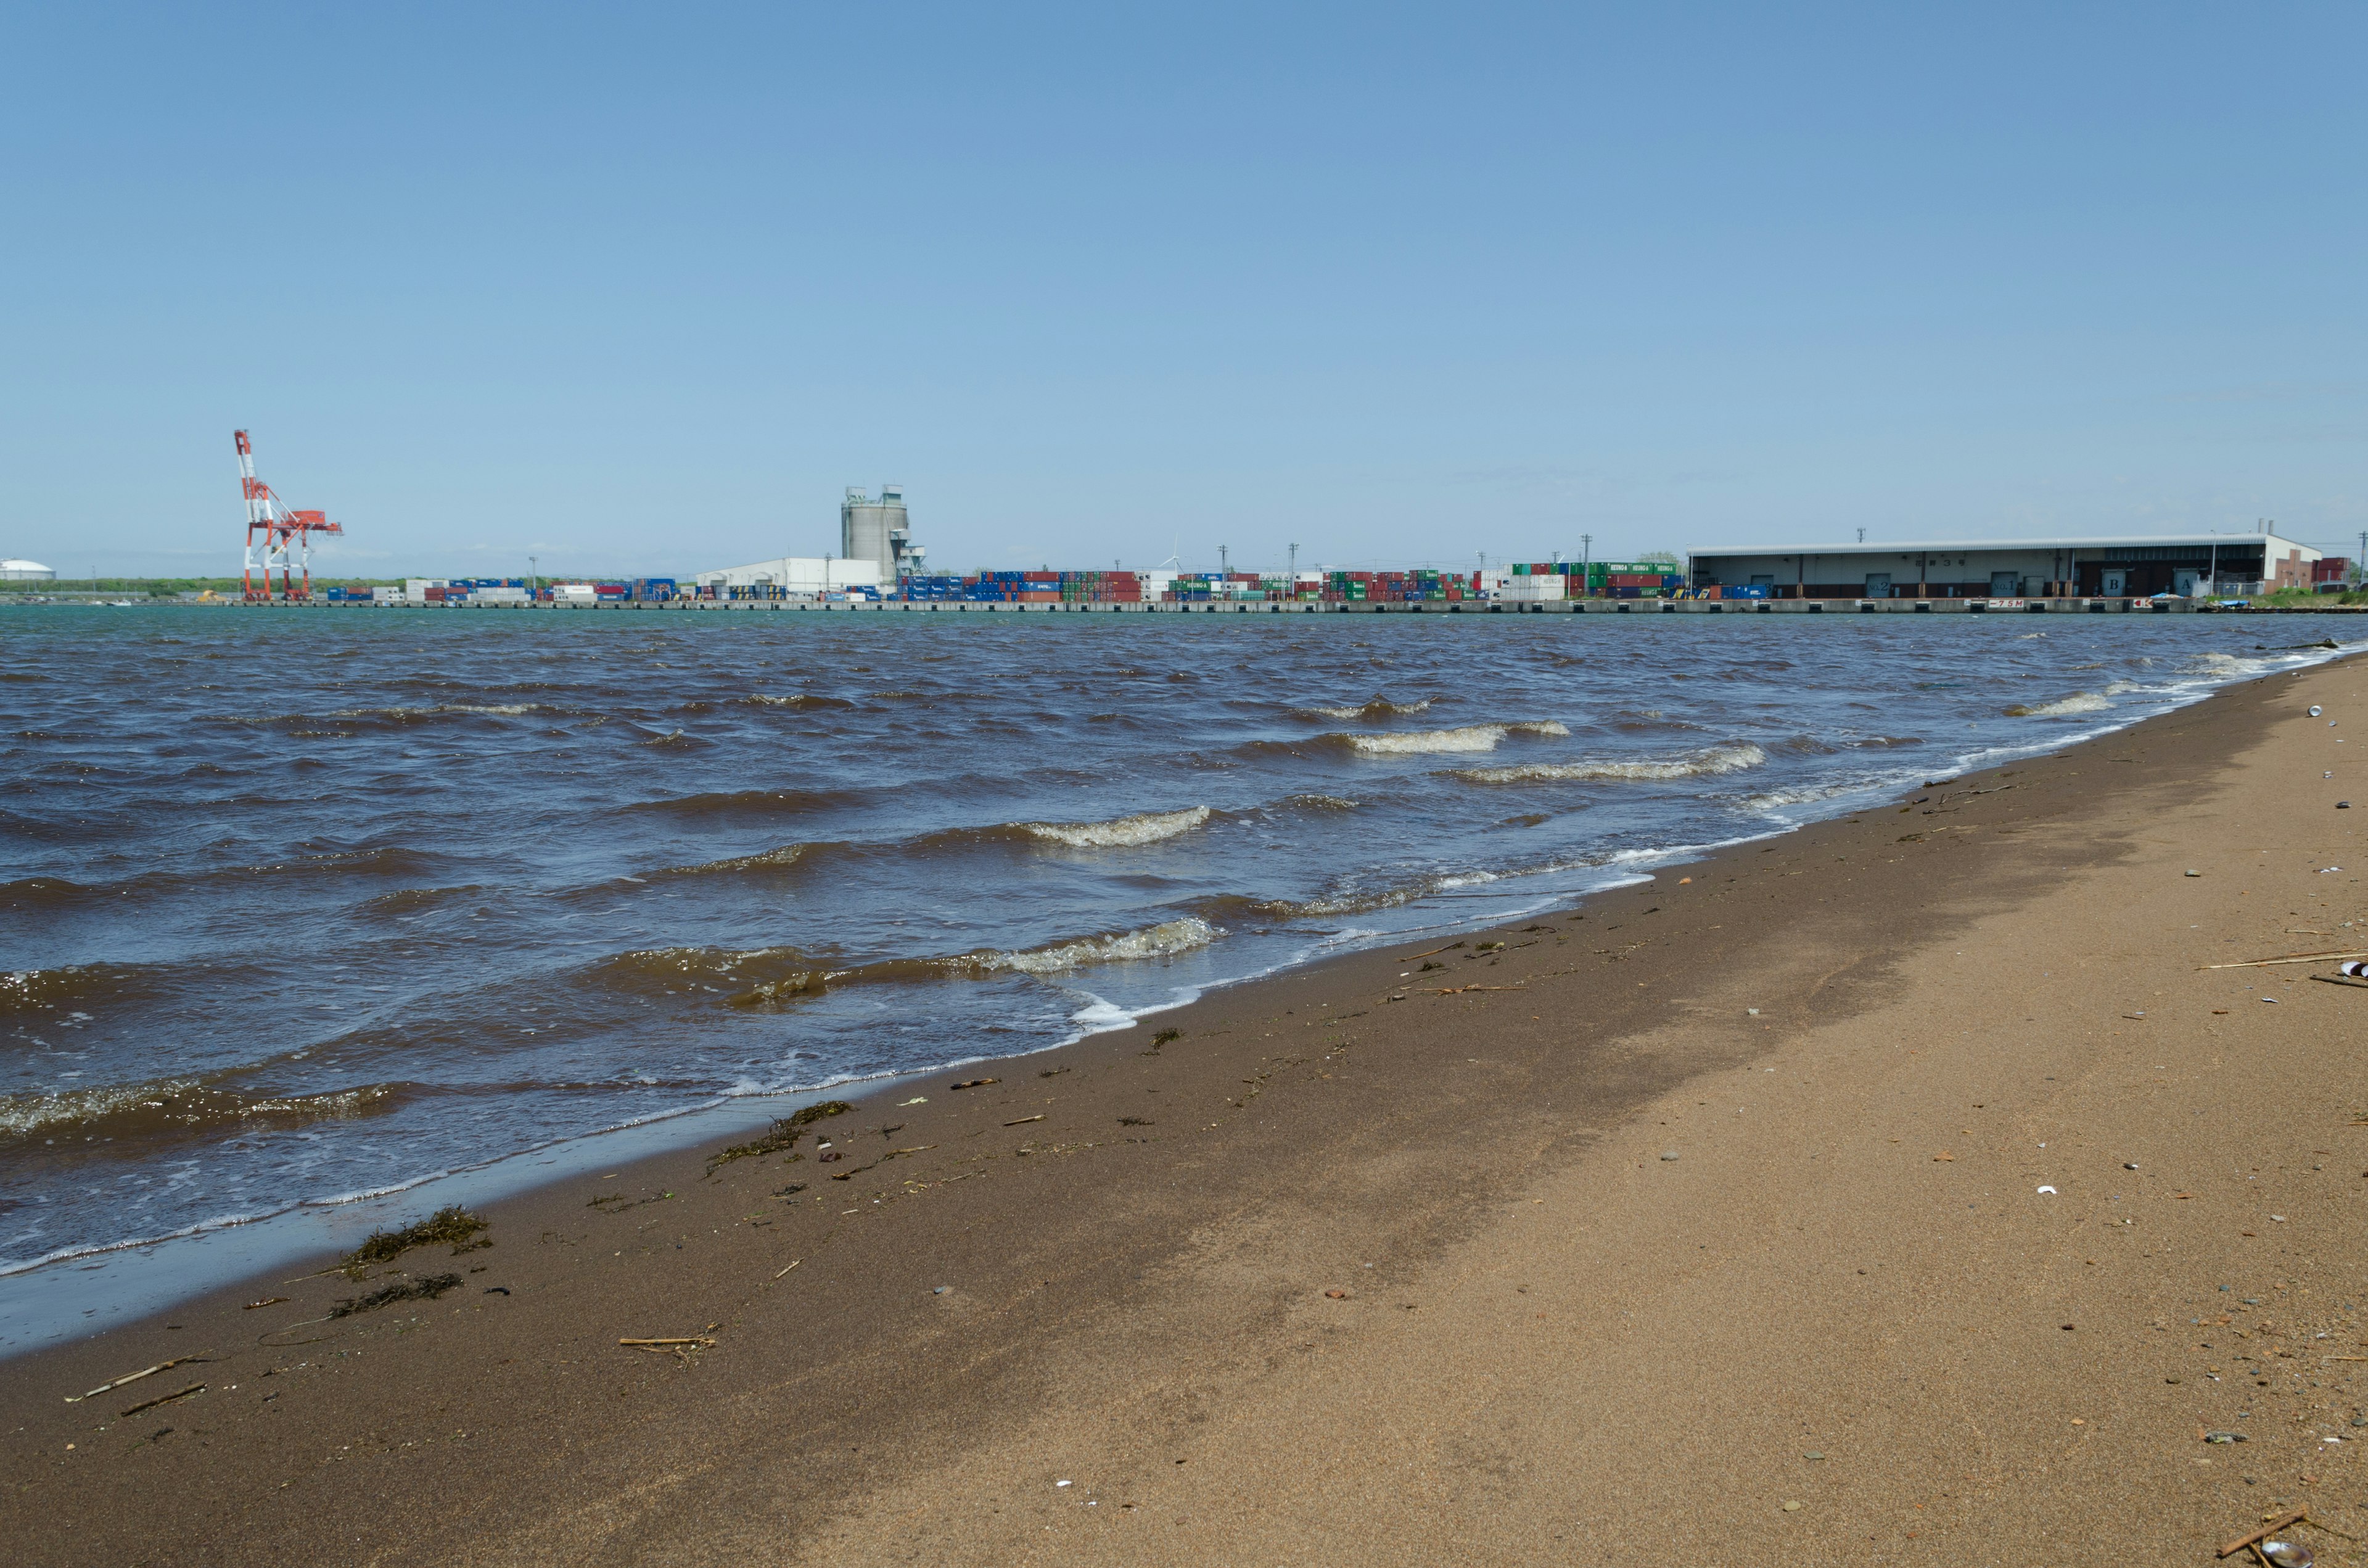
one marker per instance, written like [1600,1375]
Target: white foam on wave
[1164,940]
[1702,763]
[23,1114]
[1120,832]
[1816,794]
[1464,737]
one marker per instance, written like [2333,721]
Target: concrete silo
[876,531]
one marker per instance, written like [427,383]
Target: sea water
[341,912]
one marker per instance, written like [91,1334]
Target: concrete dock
[1565,607]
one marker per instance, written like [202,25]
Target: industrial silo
[875,532]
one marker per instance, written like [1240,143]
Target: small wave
[1164,940]
[59,991]
[44,893]
[2063,707]
[1379,708]
[796,700]
[413,901]
[405,715]
[780,860]
[1811,794]
[738,977]
[1322,802]
[1464,737]
[1322,906]
[1119,833]
[1695,765]
[129,1112]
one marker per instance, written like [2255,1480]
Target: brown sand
[1552,1344]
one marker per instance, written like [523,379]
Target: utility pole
[1224,561]
[1294,563]
[533,579]
[1862,536]
[2360,563]
[1586,556]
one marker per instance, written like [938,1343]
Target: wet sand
[1335,1276]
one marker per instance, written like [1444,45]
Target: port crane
[278,535]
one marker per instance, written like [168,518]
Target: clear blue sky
[647,289]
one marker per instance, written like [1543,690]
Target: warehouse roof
[1937,546]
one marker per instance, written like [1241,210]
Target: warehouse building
[798,574]
[2191,565]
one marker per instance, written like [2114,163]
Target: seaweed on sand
[425,1288]
[785,1132]
[451,1223]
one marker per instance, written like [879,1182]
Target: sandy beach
[1903,1188]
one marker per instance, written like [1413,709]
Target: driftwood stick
[135,1377]
[2273,1527]
[668,1344]
[2297,957]
[164,1399]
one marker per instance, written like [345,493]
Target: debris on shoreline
[425,1289]
[451,1223]
[785,1132]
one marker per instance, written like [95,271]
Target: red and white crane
[277,535]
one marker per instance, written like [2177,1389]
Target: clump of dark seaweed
[425,1289]
[1164,1036]
[785,1132]
[451,1223]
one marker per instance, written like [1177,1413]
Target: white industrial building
[26,572]
[798,574]
[2101,566]
[875,548]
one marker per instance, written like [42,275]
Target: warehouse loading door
[2004,583]
[1878,584]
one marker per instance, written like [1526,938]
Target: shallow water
[304,905]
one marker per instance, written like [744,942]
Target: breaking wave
[769,977]
[134,1111]
[1694,764]
[1161,941]
[2063,707]
[1119,833]
[1464,737]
